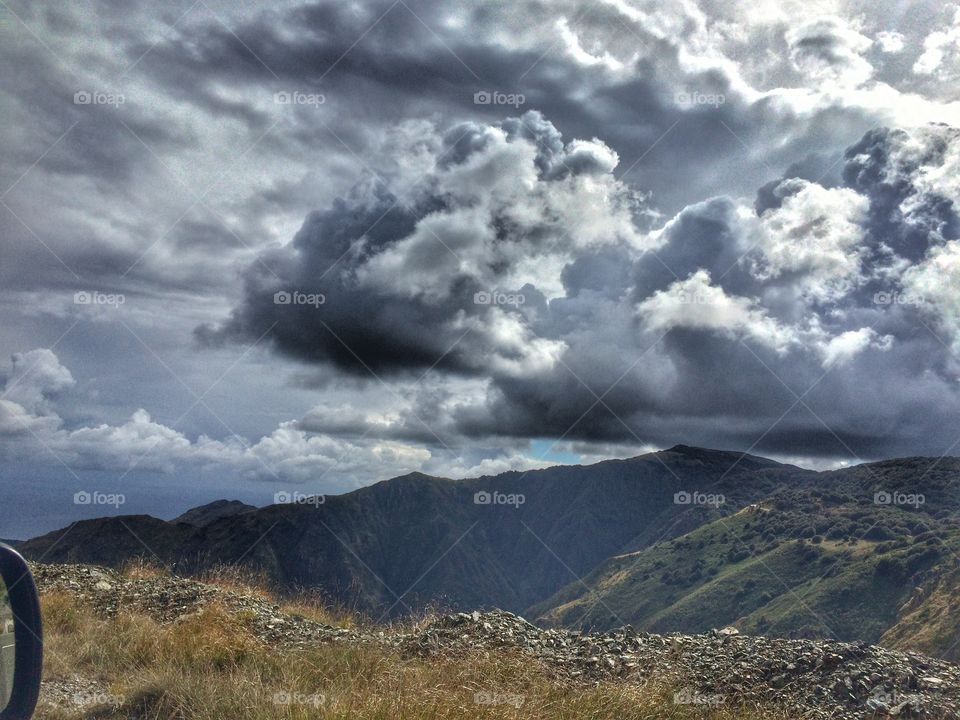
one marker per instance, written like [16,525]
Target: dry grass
[240,580]
[141,569]
[309,604]
[209,666]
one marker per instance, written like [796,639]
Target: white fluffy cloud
[24,404]
[847,345]
[815,236]
[890,41]
[941,50]
[829,49]
[555,203]
[935,284]
[33,431]
[33,376]
[695,303]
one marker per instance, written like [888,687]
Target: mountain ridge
[558,543]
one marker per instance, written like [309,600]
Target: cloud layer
[500,238]
[730,324]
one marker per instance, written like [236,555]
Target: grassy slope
[753,571]
[209,666]
[930,622]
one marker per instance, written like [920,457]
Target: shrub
[891,568]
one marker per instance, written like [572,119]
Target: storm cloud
[724,325]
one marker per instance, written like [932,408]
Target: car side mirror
[21,638]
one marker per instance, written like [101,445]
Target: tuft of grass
[240,580]
[61,615]
[309,604]
[143,569]
[312,607]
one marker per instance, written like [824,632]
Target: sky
[251,248]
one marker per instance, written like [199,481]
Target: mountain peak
[700,452]
[711,456]
[206,514]
[688,449]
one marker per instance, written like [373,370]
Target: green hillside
[818,564]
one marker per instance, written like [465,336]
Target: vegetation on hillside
[813,564]
[210,666]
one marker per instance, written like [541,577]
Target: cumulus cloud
[941,49]
[814,237]
[695,303]
[890,41]
[828,48]
[32,430]
[847,345]
[935,285]
[35,376]
[460,274]
[623,332]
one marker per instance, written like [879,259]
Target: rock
[878,706]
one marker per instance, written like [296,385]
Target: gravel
[812,679]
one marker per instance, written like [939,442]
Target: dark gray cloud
[434,274]
[414,63]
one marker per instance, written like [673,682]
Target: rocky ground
[812,679]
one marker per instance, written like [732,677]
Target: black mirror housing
[28,635]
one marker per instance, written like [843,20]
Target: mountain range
[686,539]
